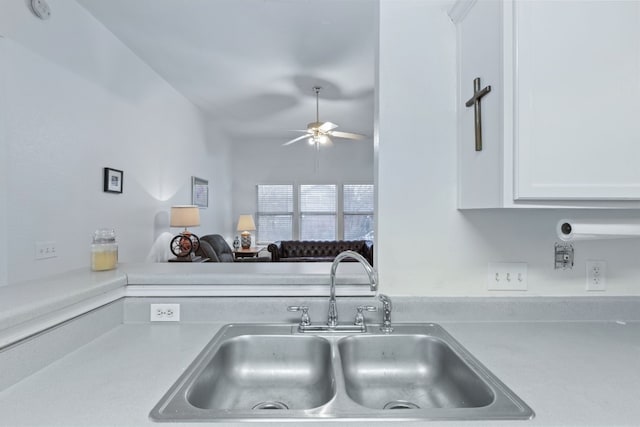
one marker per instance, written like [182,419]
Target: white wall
[4,172]
[219,168]
[74,101]
[447,251]
[269,162]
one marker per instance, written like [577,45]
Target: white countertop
[244,273]
[31,306]
[569,370]
[25,301]
[570,373]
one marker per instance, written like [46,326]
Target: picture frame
[199,192]
[112,182]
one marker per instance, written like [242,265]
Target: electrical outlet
[46,250]
[164,312]
[596,275]
[507,276]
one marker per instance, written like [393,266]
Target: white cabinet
[561,125]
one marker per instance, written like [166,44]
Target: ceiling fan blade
[346,135]
[296,139]
[327,126]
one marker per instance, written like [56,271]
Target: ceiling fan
[320,133]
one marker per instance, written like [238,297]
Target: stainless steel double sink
[254,372]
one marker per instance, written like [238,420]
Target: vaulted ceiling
[250,65]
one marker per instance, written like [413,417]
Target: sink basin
[409,372]
[250,372]
[265,372]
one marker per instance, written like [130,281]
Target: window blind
[275,213]
[358,211]
[318,212]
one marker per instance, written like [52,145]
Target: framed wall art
[113,180]
[199,192]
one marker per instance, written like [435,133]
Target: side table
[247,253]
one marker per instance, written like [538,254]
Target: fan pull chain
[317,90]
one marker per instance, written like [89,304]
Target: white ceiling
[250,65]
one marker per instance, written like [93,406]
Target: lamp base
[245,242]
[185,244]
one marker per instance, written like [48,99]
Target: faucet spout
[371,272]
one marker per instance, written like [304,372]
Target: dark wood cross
[475,101]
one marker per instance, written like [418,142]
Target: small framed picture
[199,192]
[113,180]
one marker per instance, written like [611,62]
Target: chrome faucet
[332,320]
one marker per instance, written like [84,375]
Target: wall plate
[596,275]
[164,312]
[507,276]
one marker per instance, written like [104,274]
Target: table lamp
[246,224]
[186,243]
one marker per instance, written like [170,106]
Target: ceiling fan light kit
[320,133]
[319,139]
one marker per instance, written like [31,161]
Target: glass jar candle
[104,250]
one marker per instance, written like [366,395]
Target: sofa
[216,248]
[318,250]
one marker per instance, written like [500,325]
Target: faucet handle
[305,320]
[359,320]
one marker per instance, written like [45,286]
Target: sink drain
[270,405]
[400,404]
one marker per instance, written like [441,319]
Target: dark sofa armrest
[206,251]
[368,251]
[276,249]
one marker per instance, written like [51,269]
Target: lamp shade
[185,216]
[245,223]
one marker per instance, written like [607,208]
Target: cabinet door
[577,100]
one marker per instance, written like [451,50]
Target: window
[318,212]
[358,211]
[275,213]
[314,212]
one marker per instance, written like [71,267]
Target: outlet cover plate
[507,276]
[596,275]
[164,312]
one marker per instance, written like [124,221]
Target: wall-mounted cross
[475,101]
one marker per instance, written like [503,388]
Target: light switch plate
[46,250]
[507,276]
